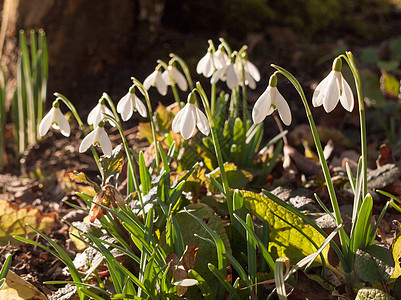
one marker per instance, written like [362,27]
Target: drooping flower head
[189,117]
[269,101]
[227,73]
[333,88]
[206,64]
[97,114]
[98,137]
[130,103]
[172,75]
[220,57]
[156,79]
[54,118]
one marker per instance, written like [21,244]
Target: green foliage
[4,269]
[288,233]
[30,95]
[374,264]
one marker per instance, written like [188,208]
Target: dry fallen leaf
[13,220]
[16,288]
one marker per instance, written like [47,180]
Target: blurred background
[96,46]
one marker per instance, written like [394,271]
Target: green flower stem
[71,107]
[343,236]
[226,46]
[244,101]
[131,162]
[213,99]
[112,106]
[364,149]
[217,149]
[152,122]
[184,67]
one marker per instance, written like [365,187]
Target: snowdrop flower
[156,79]
[249,70]
[269,101]
[189,117]
[130,103]
[220,58]
[206,64]
[333,88]
[55,119]
[227,73]
[97,114]
[98,137]
[172,74]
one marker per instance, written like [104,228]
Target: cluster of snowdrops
[238,73]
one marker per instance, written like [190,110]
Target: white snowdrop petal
[347,98]
[150,80]
[331,94]
[62,123]
[253,70]
[177,120]
[180,79]
[87,141]
[161,85]
[318,95]
[105,143]
[202,122]
[121,105]
[140,107]
[166,77]
[125,107]
[94,116]
[232,78]
[209,67]
[188,123]
[283,109]
[217,75]
[46,122]
[262,106]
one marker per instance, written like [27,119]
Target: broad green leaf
[144,175]
[284,239]
[374,263]
[14,220]
[236,177]
[360,234]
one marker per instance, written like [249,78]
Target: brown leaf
[18,289]
[189,258]
[305,165]
[385,156]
